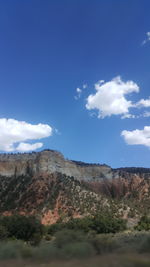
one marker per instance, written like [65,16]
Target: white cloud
[79,92]
[147,38]
[13,132]
[143,103]
[24,147]
[128,116]
[84,86]
[101,81]
[137,137]
[110,99]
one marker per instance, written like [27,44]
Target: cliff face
[48,185]
[50,162]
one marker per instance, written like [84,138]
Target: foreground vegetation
[76,249]
[102,240]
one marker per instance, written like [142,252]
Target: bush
[82,224]
[143,224]
[3,232]
[66,237]
[108,224]
[53,228]
[105,223]
[35,239]
[22,227]
[14,250]
[103,244]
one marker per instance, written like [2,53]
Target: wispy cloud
[143,103]
[147,38]
[146,114]
[129,116]
[78,93]
[84,86]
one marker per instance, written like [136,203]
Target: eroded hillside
[54,188]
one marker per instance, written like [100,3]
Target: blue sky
[48,49]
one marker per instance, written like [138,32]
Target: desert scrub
[3,232]
[77,250]
[66,237]
[45,252]
[145,246]
[143,224]
[14,250]
[103,243]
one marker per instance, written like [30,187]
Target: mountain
[48,185]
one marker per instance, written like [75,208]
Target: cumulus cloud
[110,97]
[101,81]
[137,137]
[147,38]
[13,133]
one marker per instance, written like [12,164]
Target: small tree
[22,227]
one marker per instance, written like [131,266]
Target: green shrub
[53,228]
[143,224]
[66,237]
[100,223]
[80,224]
[3,232]
[35,239]
[48,237]
[22,227]
[103,244]
[108,224]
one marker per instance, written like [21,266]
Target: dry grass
[128,260]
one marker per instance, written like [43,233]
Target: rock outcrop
[49,161]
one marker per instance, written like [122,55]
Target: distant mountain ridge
[134,169]
[46,184]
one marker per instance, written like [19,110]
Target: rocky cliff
[48,185]
[50,161]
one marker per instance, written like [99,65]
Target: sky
[75,77]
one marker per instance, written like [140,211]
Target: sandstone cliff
[50,161]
